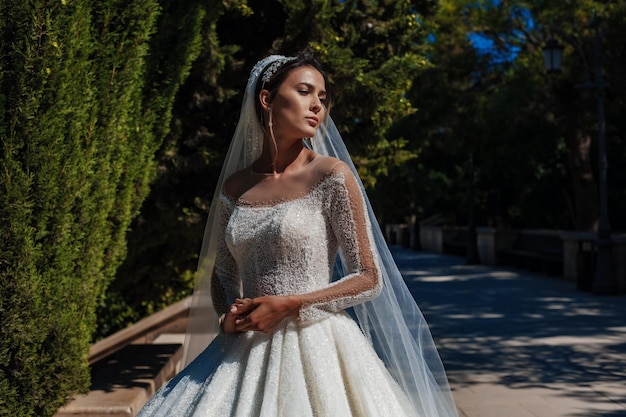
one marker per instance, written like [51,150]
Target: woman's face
[299,105]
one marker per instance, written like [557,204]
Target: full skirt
[325,368]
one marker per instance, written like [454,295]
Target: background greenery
[115,116]
[533,136]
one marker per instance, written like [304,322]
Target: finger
[246,323]
[244,327]
[238,309]
[245,309]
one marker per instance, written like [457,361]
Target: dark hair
[303,59]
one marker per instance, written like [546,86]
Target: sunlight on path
[518,344]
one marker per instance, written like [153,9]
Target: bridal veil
[392,322]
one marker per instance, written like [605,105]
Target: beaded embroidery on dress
[319,364]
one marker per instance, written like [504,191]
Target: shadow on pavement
[520,330]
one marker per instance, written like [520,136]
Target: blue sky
[485,45]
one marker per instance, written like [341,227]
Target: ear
[264,98]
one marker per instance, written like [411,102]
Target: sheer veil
[392,322]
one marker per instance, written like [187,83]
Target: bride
[314,317]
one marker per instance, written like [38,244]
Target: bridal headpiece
[274,66]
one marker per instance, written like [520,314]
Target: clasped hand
[260,314]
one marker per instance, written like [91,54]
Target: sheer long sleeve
[225,281]
[349,229]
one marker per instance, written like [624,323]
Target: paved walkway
[521,345]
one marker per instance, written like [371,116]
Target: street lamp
[552,55]
[604,281]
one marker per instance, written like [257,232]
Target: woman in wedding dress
[290,245]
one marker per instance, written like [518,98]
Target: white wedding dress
[318,364]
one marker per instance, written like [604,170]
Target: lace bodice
[289,247]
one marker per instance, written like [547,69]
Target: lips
[313,121]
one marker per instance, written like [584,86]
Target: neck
[276,160]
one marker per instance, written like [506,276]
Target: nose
[316,105]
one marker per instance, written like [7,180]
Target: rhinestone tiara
[273,67]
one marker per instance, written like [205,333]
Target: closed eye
[306,89]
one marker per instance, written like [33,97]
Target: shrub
[84,105]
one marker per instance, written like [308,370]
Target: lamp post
[471,257]
[604,282]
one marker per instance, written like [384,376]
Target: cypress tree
[84,105]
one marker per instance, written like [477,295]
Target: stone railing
[129,366]
[576,251]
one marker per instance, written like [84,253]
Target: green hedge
[85,98]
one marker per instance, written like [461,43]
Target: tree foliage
[82,112]
[532,135]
